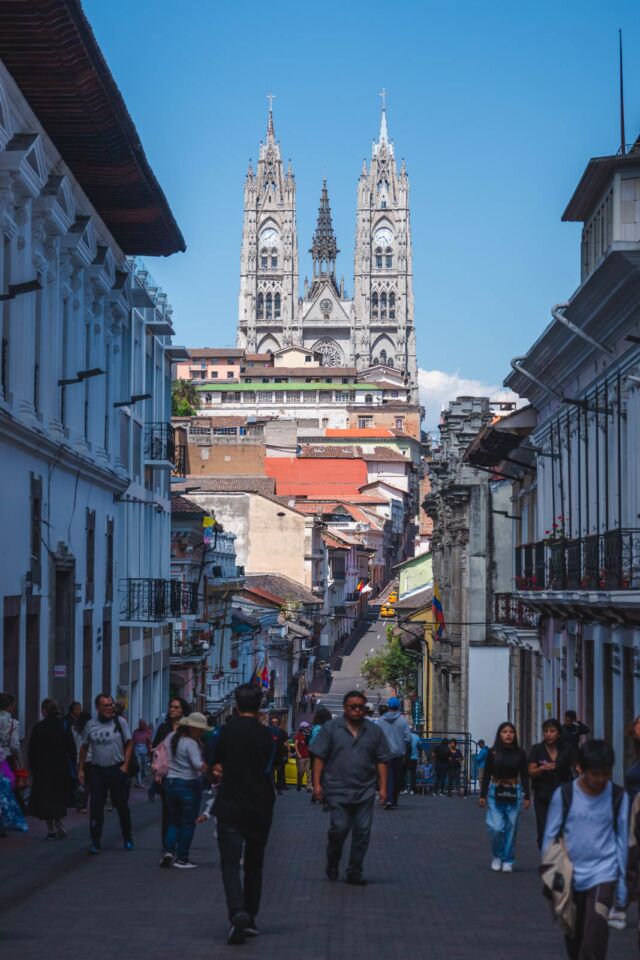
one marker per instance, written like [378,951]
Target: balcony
[189,645]
[353,597]
[159,445]
[148,600]
[511,611]
[599,561]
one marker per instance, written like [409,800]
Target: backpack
[160,762]
[556,868]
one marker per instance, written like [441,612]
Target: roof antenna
[623,139]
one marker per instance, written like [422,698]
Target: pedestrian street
[431,893]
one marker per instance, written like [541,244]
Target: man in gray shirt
[350,756]
[109,738]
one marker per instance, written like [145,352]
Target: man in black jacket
[243,757]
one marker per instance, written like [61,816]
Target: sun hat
[304,724]
[197,720]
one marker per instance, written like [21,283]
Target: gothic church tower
[269,259]
[383,269]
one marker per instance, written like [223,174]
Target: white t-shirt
[186,763]
[107,747]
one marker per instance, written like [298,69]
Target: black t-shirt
[245,748]
[441,754]
[455,760]
[544,785]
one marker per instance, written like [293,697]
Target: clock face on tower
[383,236]
[269,236]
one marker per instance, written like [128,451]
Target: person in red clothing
[303,761]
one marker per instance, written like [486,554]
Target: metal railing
[510,610]
[600,561]
[150,600]
[159,442]
[187,644]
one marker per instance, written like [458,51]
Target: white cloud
[437,388]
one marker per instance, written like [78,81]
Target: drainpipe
[516,364]
[560,317]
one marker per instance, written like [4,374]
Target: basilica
[376,326]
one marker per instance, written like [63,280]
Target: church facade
[376,326]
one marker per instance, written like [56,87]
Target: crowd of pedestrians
[588,828]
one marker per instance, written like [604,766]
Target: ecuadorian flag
[437,611]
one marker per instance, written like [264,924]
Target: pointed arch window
[389,258]
[383,356]
[264,259]
[269,307]
[274,259]
[392,306]
[390,362]
[374,306]
[260,307]
[378,258]
[277,301]
[383,305]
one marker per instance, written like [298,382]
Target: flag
[360,585]
[265,677]
[207,530]
[437,612]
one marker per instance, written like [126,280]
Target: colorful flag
[437,612]
[207,530]
[265,676]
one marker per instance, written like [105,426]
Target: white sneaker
[507,867]
[496,864]
[617,919]
[412,793]
[184,864]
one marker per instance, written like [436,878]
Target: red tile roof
[50,50]
[364,433]
[302,476]
[195,352]
[198,484]
[182,506]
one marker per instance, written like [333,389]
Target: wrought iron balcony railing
[511,611]
[151,600]
[600,561]
[159,443]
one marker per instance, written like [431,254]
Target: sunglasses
[354,706]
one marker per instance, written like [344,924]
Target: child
[593,817]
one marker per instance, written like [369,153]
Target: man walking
[572,732]
[350,758]
[396,729]
[243,756]
[109,739]
[303,760]
[279,738]
[412,763]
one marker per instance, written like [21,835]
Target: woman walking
[52,758]
[183,789]
[178,708]
[549,767]
[505,789]
[142,748]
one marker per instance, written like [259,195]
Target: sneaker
[95,848]
[331,872]
[412,793]
[496,864]
[238,929]
[617,919]
[127,844]
[507,867]
[185,865]
[167,860]
[252,930]
[403,793]
[388,805]
[51,836]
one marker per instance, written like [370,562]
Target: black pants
[395,779]
[279,777]
[103,781]
[411,769]
[347,817]
[592,930]
[441,778]
[231,841]
[453,777]
[541,806]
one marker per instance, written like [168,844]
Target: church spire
[324,248]
[384,136]
[271,134]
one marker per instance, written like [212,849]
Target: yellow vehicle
[392,598]
[386,611]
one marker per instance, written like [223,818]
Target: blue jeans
[502,824]
[183,803]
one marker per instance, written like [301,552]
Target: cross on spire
[383,94]
[271,97]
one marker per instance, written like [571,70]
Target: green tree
[185,399]
[391,666]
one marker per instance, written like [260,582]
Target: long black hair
[182,731]
[498,745]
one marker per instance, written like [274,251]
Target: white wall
[488,690]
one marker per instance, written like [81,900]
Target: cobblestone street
[431,893]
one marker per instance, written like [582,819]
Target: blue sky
[496,106]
